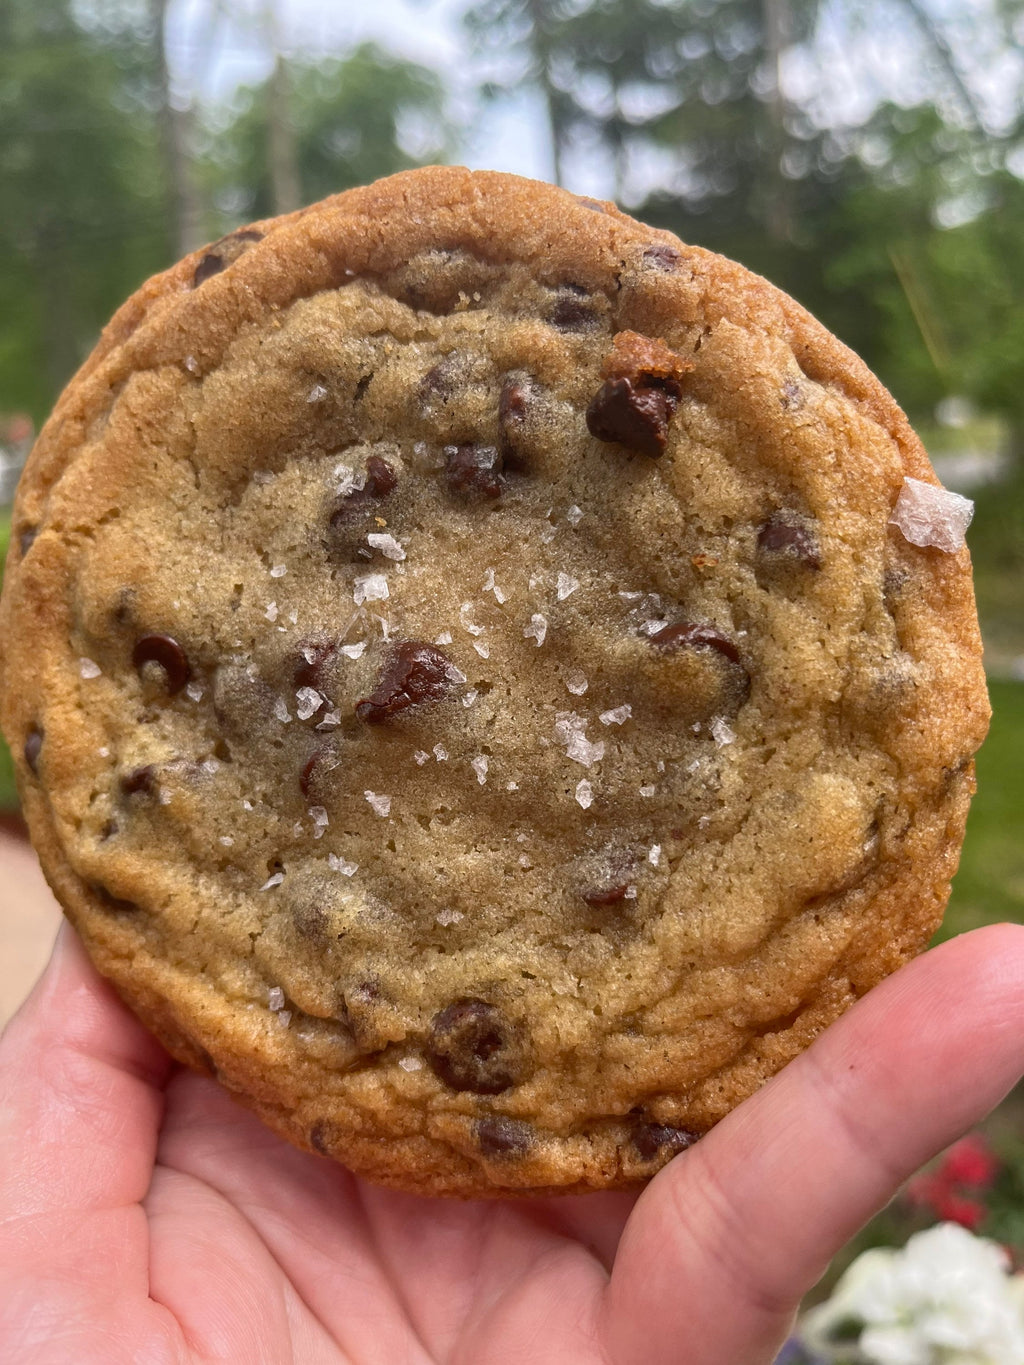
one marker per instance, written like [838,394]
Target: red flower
[969,1166]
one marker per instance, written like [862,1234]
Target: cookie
[473,683]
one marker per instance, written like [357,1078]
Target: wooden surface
[29,917]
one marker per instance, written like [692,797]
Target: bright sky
[871,52]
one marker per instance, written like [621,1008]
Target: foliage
[353,120]
[83,216]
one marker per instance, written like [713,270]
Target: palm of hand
[146,1218]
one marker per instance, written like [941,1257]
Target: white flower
[945,1297]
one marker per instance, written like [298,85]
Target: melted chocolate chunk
[165,651]
[473,469]
[636,418]
[661,256]
[641,390]
[415,673]
[33,747]
[381,481]
[321,1137]
[315,656]
[309,768]
[652,1140]
[685,635]
[788,534]
[503,1137]
[571,311]
[472,1046]
[605,895]
[224,253]
[139,781]
[26,539]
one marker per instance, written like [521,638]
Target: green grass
[990,884]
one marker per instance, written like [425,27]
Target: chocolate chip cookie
[482,680]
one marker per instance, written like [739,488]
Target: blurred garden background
[868,157]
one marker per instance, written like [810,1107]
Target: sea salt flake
[104,752]
[584,793]
[271,611]
[468,698]
[371,587]
[652,625]
[928,515]
[421,756]
[576,683]
[488,583]
[654,855]
[385,628]
[281,711]
[465,611]
[581,750]
[320,820]
[410,1064]
[574,515]
[566,585]
[283,1017]
[445,638]
[278,571]
[262,477]
[308,702]
[448,916]
[341,865]
[353,651]
[649,790]
[380,804]
[455,674]
[275,998]
[511,786]
[500,596]
[275,880]
[209,766]
[247,804]
[479,766]
[537,629]
[88,669]
[631,596]
[317,394]
[721,732]
[194,691]
[631,893]
[618,715]
[482,649]
[329,720]
[695,766]
[385,542]
[440,753]
[293,616]
[226,840]
[704,821]
[191,364]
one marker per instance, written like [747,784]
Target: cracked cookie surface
[466,689]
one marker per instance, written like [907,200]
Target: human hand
[146,1219]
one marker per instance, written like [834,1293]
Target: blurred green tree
[84,217]
[352,120]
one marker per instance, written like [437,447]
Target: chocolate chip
[314,657]
[26,539]
[224,253]
[571,314]
[502,1137]
[605,895]
[310,920]
[309,768]
[415,673]
[473,1047]
[321,1137]
[686,635]
[594,204]
[381,480]
[638,419]
[661,256]
[788,534]
[139,781]
[641,391]
[33,746]
[652,1140]
[165,651]
[474,469]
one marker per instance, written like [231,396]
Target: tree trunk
[175,130]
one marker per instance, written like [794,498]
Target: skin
[146,1219]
